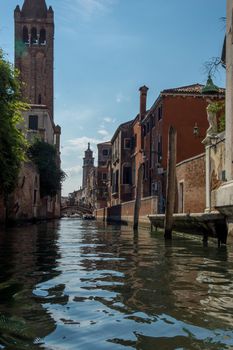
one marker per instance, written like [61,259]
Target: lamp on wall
[214,140]
[196,130]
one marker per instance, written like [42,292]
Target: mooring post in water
[137,203]
[171,184]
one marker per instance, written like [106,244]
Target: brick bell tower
[88,165]
[34,51]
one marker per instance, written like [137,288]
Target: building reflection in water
[28,256]
[82,285]
[149,279]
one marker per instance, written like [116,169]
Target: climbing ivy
[12,141]
[51,176]
[219,109]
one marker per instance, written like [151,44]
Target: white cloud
[73,171]
[79,144]
[103,132]
[109,120]
[120,97]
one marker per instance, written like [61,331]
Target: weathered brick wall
[192,174]
[217,155]
[25,200]
[124,212]
[32,61]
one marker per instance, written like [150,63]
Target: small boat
[88,217]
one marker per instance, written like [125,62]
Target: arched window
[42,37]
[34,36]
[25,35]
[39,99]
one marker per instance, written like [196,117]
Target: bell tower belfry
[88,164]
[34,51]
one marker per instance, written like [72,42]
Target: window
[152,121]
[33,122]
[154,188]
[25,35]
[105,152]
[144,130]
[146,170]
[127,143]
[148,127]
[39,99]
[115,178]
[160,112]
[127,175]
[42,37]
[34,36]
[104,176]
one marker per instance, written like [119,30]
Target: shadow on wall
[114,214]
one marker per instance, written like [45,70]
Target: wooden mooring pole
[137,203]
[171,184]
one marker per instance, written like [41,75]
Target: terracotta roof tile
[188,89]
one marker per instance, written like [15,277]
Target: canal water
[80,285]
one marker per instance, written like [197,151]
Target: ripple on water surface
[79,285]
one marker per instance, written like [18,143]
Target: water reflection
[81,285]
[28,256]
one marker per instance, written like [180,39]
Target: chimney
[143,96]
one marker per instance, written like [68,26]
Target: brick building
[185,109]
[103,176]
[144,140]
[190,175]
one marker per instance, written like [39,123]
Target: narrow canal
[82,286]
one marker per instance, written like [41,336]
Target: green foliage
[51,176]
[12,141]
[222,123]
[219,109]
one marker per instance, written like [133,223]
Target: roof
[188,89]
[120,127]
[107,143]
[34,9]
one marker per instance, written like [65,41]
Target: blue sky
[106,49]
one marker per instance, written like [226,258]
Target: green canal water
[83,286]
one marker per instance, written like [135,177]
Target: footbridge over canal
[76,209]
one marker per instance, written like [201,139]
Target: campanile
[34,51]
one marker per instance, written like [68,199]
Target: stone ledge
[210,224]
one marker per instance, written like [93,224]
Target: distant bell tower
[88,164]
[34,51]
